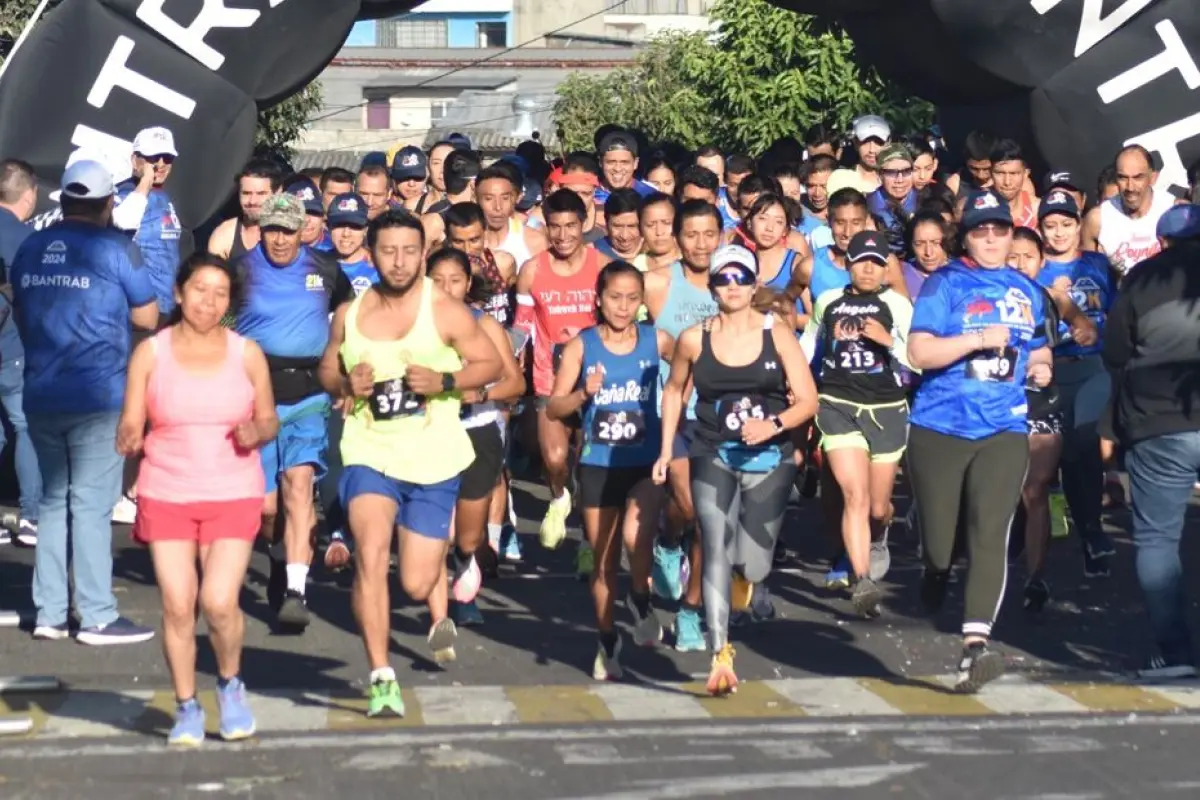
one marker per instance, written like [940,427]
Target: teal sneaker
[666,576]
[688,636]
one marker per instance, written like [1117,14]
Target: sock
[297,577]
[461,557]
[383,674]
[641,602]
[224,682]
[494,536]
[609,642]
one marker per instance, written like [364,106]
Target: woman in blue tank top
[610,373]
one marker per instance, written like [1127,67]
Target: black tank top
[728,396]
[238,248]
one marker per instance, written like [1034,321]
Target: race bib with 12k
[994,368]
[619,428]
[392,399]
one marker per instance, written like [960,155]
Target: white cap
[872,126]
[155,142]
[87,180]
[116,160]
[733,255]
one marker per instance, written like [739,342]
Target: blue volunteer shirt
[984,393]
[285,309]
[361,274]
[158,240]
[1088,282]
[73,287]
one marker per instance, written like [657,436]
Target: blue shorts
[424,509]
[682,444]
[303,439]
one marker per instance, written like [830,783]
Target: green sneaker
[384,697]
[585,561]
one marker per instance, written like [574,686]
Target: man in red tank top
[556,298]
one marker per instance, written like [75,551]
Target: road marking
[924,696]
[466,705]
[557,704]
[92,714]
[648,703]
[1185,696]
[1116,697]
[833,697]
[752,699]
[1016,694]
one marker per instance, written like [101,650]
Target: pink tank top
[190,453]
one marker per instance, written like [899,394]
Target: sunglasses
[164,158]
[896,173]
[733,277]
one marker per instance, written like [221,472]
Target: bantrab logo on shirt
[55,281]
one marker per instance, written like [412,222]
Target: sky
[362,34]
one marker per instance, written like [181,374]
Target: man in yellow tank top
[398,359]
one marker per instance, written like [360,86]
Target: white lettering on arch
[1094,28]
[115,74]
[1165,141]
[190,39]
[1174,56]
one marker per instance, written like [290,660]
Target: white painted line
[95,714]
[832,697]
[15,726]
[291,712]
[632,703]
[465,705]
[1015,694]
[30,683]
[1186,696]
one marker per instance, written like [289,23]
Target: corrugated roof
[324,159]
[523,56]
[491,119]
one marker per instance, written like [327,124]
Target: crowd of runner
[680,341]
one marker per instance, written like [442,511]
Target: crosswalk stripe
[1116,697]
[466,705]
[349,713]
[1016,694]
[1184,696]
[833,697]
[648,702]
[752,699]
[89,713]
[558,704]
[924,696]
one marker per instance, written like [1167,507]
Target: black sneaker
[276,584]
[866,597]
[933,590]
[1037,594]
[1160,669]
[1096,566]
[978,667]
[1098,544]
[293,611]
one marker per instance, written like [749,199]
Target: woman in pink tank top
[205,393]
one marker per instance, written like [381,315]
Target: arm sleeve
[134,279]
[130,211]
[931,311]
[1045,315]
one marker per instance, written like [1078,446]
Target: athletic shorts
[424,509]
[609,487]
[303,440]
[479,479]
[1050,424]
[682,443]
[881,430]
[202,523]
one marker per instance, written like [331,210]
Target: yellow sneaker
[740,593]
[554,524]
[721,678]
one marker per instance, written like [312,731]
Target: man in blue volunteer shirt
[348,229]
[313,234]
[290,291]
[618,152]
[18,196]
[75,291]
[157,230]
[895,201]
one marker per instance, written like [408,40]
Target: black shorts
[881,430]
[609,487]
[1047,424]
[479,479]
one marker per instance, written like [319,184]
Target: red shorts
[203,523]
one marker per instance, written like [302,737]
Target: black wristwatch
[777,422]
[447,382]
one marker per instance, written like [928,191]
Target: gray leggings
[745,542]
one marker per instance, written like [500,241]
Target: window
[413,33]
[379,115]
[438,110]
[492,34]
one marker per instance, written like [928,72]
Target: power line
[404,133]
[485,59]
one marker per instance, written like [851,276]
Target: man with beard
[235,237]
[398,358]
[290,290]
[1124,227]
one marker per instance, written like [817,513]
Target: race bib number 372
[391,400]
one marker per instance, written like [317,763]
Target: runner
[374,185]
[1123,227]
[863,414]
[617,364]
[712,158]
[494,272]
[871,134]
[678,297]
[742,451]
[206,393]
[158,229]
[749,191]
[555,300]
[623,240]
[895,201]
[460,171]
[769,228]
[335,181]
[398,358]
[497,189]
[618,154]
[1010,179]
[977,326]
[822,140]
[437,192]
[313,234]
[925,162]
[235,237]
[581,178]
[977,175]
[660,173]
[656,224]
[930,240]
[410,177]
[289,294]
[698,183]
[816,177]
[450,270]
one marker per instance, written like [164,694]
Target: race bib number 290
[619,427]
[391,400]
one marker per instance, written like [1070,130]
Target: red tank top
[562,307]
[1028,217]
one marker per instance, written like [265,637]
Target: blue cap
[459,140]
[410,163]
[1179,222]
[375,158]
[308,193]
[531,195]
[517,161]
[347,209]
[984,207]
[1058,201]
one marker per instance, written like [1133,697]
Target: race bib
[734,411]
[619,428]
[857,359]
[392,400]
[994,368]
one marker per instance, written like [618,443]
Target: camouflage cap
[893,152]
[282,211]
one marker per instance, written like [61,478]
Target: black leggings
[745,541]
[979,481]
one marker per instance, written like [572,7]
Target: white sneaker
[125,511]
[27,534]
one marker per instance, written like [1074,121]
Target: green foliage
[765,73]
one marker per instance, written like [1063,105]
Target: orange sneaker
[721,678]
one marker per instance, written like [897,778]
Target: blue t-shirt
[621,426]
[984,393]
[816,232]
[73,287]
[325,244]
[361,274]
[641,187]
[285,309]
[12,234]
[158,240]
[1089,283]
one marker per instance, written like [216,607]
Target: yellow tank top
[398,434]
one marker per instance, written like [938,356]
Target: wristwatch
[483,395]
[777,422]
[447,382]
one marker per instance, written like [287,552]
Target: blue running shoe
[188,730]
[838,576]
[467,614]
[510,544]
[667,573]
[688,636]
[237,721]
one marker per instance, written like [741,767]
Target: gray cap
[87,180]
[733,255]
[282,211]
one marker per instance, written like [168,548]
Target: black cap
[462,164]
[1058,201]
[1059,179]
[868,245]
[410,163]
[618,140]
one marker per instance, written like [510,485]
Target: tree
[766,73]
[278,127]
